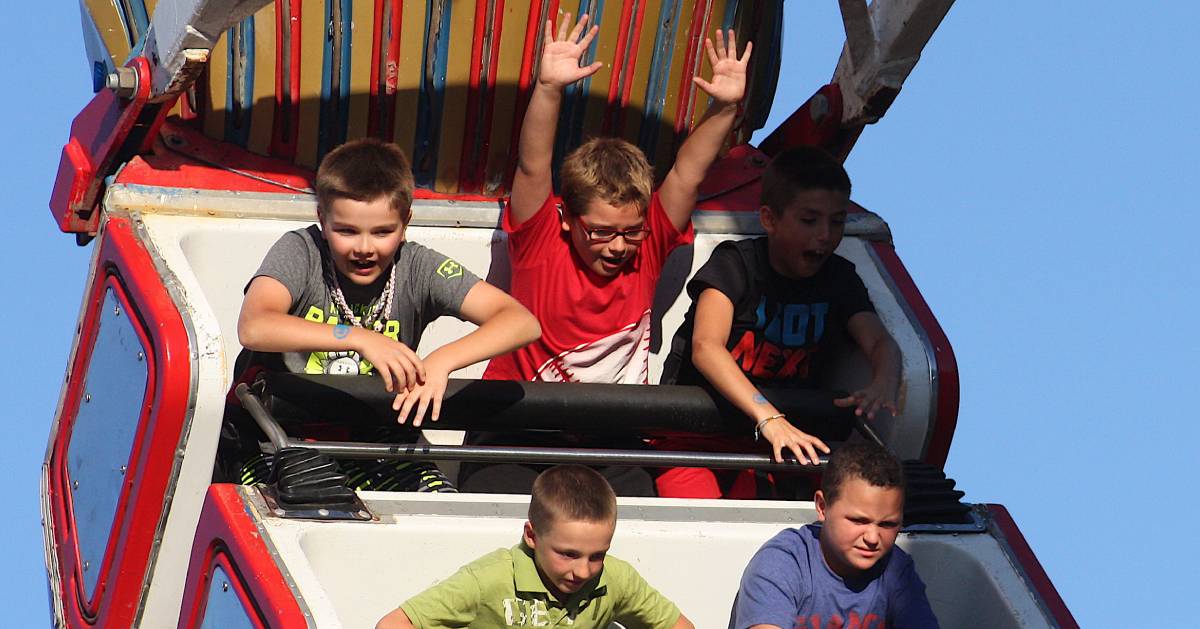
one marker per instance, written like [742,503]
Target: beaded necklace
[381,308]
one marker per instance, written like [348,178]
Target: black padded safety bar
[502,406]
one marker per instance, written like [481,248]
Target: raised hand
[561,54]
[728,84]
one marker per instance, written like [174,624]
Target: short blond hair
[364,170]
[571,493]
[606,169]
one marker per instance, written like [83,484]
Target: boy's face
[363,237]
[569,553]
[600,219]
[860,527]
[806,232]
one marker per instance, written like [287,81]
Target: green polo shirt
[503,589]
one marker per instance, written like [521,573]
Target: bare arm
[396,619]
[504,325]
[559,67]
[680,188]
[714,319]
[867,330]
[683,623]
[264,325]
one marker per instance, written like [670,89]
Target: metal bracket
[978,524]
[357,512]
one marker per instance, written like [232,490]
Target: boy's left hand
[869,400]
[423,396]
[728,84]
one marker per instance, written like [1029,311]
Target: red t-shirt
[594,329]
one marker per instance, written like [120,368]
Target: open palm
[561,54]
[728,83]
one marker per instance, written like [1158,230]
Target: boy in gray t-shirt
[352,297]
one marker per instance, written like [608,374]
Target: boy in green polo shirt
[559,574]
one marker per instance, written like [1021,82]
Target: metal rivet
[323,512]
[117,310]
[224,586]
[363,514]
[86,565]
[278,512]
[87,397]
[141,356]
[123,468]
[74,484]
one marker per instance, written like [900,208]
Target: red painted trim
[1034,571]
[479,172]
[123,260]
[226,535]
[98,135]
[618,123]
[816,123]
[618,72]
[188,164]
[284,137]
[469,160]
[534,26]
[691,63]
[385,63]
[374,109]
[946,413]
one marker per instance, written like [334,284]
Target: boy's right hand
[394,361]
[560,55]
[782,434]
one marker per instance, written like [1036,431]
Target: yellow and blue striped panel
[449,92]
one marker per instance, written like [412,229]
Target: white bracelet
[763,422]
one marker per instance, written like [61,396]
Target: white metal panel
[198,444]
[693,551]
[224,237]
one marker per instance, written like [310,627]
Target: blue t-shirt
[789,585]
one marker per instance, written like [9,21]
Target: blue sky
[1036,171]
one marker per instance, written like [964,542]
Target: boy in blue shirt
[843,571]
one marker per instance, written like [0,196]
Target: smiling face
[860,527]
[803,236]
[605,259]
[569,553]
[363,237]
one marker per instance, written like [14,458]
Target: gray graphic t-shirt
[428,285]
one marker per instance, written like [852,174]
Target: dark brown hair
[608,169]
[571,492]
[867,461]
[365,170]
[797,169]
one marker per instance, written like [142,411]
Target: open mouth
[612,262]
[814,255]
[362,267]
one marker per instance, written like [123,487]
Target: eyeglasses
[605,234]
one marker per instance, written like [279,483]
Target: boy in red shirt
[587,266]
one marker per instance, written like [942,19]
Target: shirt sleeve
[288,262]
[528,242]
[451,603]
[853,296]
[639,604]
[664,237]
[444,282]
[723,271]
[771,590]
[909,604]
